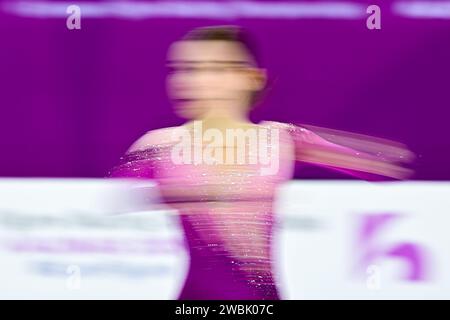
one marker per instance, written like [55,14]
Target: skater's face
[208,74]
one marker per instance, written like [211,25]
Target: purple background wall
[73,101]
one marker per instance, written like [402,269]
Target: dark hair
[228,33]
[224,33]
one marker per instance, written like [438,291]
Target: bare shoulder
[153,138]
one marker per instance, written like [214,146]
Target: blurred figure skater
[224,198]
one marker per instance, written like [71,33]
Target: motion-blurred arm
[370,156]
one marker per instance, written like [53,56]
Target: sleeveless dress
[226,213]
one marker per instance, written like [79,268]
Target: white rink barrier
[89,239]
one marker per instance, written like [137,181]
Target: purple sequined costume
[226,213]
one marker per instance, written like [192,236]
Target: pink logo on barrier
[371,230]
